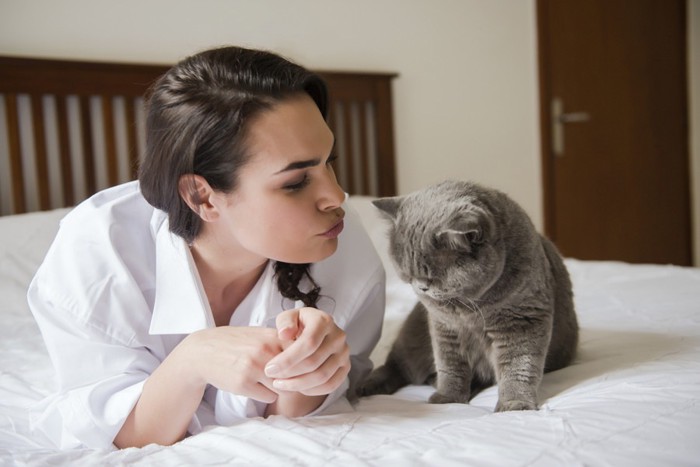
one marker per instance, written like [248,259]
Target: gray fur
[495,306]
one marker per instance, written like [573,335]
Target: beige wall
[466,99]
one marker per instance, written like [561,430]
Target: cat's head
[444,241]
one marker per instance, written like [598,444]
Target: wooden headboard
[71,128]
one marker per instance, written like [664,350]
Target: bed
[632,396]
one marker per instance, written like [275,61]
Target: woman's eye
[298,185]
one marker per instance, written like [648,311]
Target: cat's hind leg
[478,384]
[410,360]
[451,389]
[386,379]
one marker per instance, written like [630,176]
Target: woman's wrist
[294,404]
[187,360]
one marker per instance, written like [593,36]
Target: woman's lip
[334,231]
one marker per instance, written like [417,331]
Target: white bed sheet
[632,396]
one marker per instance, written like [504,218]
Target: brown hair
[197,116]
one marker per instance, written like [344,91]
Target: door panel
[619,190]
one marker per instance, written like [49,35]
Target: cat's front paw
[440,398]
[379,381]
[372,387]
[515,405]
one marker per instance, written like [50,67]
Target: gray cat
[495,306]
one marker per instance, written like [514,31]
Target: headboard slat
[40,153]
[110,141]
[385,140]
[15,148]
[131,141]
[89,172]
[348,146]
[64,151]
[362,143]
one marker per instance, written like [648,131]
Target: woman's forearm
[227,357]
[168,401]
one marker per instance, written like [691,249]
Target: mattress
[631,397]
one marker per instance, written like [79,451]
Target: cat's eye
[474,236]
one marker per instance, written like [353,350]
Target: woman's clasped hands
[315,358]
[306,355]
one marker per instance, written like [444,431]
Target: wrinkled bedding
[632,396]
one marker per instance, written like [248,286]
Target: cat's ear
[388,206]
[461,238]
[465,233]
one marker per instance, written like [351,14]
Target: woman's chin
[324,251]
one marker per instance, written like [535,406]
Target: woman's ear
[199,196]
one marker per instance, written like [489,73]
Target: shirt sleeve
[99,377]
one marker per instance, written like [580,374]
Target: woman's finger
[315,326]
[320,376]
[287,324]
[333,344]
[259,392]
[330,385]
[305,355]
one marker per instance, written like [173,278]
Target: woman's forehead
[292,131]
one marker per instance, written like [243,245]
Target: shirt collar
[180,306]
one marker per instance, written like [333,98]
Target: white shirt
[118,291]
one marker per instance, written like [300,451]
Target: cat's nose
[423,286]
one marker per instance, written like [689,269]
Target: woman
[226,283]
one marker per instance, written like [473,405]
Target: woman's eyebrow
[305,163]
[296,165]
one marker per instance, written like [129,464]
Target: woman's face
[286,206]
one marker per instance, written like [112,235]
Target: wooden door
[615,129]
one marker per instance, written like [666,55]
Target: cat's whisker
[473,306]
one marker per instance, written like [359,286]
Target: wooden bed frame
[71,128]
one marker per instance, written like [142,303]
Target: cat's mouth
[434,295]
[441,298]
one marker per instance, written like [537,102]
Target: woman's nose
[331,195]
